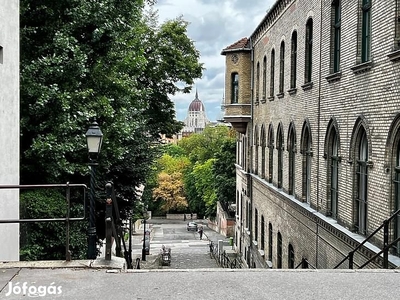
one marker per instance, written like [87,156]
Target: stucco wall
[9,128]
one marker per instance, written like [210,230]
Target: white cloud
[213,25]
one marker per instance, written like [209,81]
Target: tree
[105,59]
[224,174]
[170,192]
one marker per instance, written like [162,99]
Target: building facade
[9,128]
[196,119]
[314,94]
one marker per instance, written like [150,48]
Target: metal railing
[305,264]
[67,218]
[385,249]
[222,259]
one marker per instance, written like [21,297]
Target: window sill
[307,86]
[292,91]
[280,95]
[271,98]
[255,243]
[334,77]
[263,100]
[261,252]
[394,56]
[362,67]
[256,102]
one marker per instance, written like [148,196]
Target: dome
[196,104]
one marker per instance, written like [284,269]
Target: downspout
[318,131]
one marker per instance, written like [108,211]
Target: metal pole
[130,242]
[92,251]
[144,240]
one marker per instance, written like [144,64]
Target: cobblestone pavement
[187,250]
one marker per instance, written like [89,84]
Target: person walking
[200,230]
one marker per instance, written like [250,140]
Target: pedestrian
[191,216]
[201,231]
[184,217]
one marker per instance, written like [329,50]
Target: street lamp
[144,235]
[94,138]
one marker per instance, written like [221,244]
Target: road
[187,250]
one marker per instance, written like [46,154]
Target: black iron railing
[67,218]
[385,249]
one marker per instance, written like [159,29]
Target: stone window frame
[280,146]
[360,174]
[235,88]
[392,166]
[333,163]
[262,232]
[293,63]
[257,83]
[256,145]
[291,257]
[307,153]
[272,76]
[291,149]
[308,53]
[270,241]
[256,225]
[335,45]
[271,142]
[279,250]
[281,69]
[264,87]
[263,143]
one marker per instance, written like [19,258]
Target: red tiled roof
[243,43]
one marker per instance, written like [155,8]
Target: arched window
[272,75]
[361,183]
[256,225]
[306,151]
[333,172]
[263,146]
[293,61]
[262,232]
[264,87]
[270,153]
[282,68]
[291,148]
[279,251]
[365,30]
[280,148]
[257,84]
[308,51]
[256,144]
[335,35]
[291,257]
[396,183]
[270,240]
[235,88]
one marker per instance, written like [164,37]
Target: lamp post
[94,138]
[144,235]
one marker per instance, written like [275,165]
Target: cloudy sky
[213,25]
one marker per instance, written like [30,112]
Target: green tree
[224,174]
[107,59]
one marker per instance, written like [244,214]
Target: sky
[213,25]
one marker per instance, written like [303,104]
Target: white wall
[9,127]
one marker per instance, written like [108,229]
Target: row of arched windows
[293,66]
[270,143]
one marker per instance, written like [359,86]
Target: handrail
[305,264]
[385,248]
[67,219]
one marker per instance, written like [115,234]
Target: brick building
[314,94]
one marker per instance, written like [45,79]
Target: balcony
[238,115]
